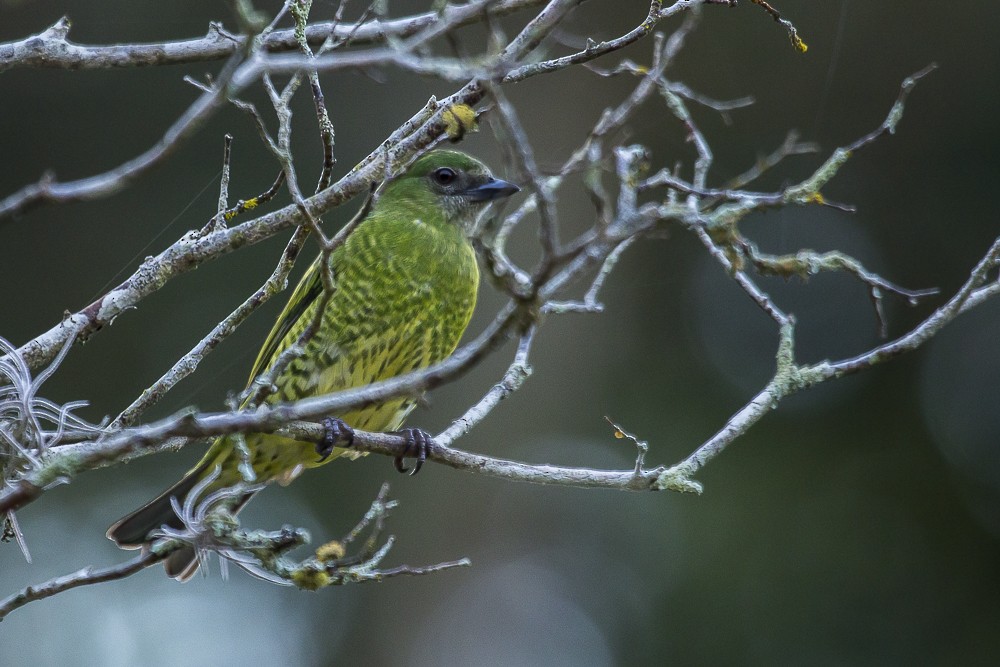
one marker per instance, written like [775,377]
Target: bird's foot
[336,434]
[418,443]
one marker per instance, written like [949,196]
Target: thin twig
[190,361]
[48,189]
[82,577]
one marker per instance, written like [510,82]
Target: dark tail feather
[132,531]
[182,564]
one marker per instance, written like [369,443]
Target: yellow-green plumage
[405,283]
[405,290]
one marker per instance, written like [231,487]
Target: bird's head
[452,184]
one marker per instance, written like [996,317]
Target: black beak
[492,189]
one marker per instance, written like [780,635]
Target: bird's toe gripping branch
[336,433]
[418,443]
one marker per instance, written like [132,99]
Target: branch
[51,48]
[805,192]
[974,292]
[790,378]
[187,364]
[82,577]
[47,189]
[806,263]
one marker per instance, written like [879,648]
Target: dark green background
[859,524]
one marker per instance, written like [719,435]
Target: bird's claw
[336,433]
[418,443]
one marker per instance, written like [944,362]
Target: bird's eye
[444,176]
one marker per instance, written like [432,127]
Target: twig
[759,296]
[590,304]
[189,362]
[806,263]
[888,126]
[517,373]
[790,146]
[244,205]
[220,214]
[793,34]
[528,169]
[971,294]
[47,189]
[657,12]
[82,577]
[641,446]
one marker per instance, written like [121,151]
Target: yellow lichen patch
[816,198]
[786,266]
[459,119]
[793,34]
[311,579]
[247,205]
[330,551]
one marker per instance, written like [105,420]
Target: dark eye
[444,176]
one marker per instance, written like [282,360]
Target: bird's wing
[306,292]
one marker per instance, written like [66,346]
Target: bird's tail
[132,530]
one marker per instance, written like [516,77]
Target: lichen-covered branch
[263,554]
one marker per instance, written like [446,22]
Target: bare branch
[52,49]
[758,295]
[189,362]
[790,146]
[82,577]
[793,34]
[260,553]
[806,263]
[517,373]
[888,126]
[972,293]
[657,13]
[47,189]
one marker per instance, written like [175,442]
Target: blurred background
[859,524]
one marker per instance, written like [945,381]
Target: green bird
[405,284]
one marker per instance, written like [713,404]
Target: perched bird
[405,283]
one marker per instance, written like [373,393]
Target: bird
[405,282]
